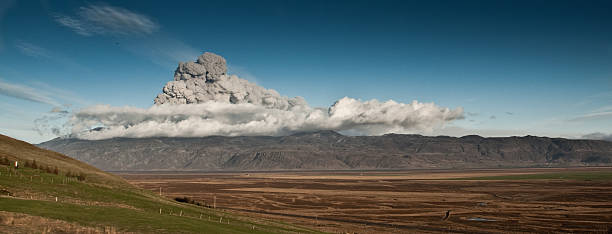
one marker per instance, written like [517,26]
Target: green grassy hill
[80,198]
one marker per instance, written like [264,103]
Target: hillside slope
[325,150]
[21,151]
[34,199]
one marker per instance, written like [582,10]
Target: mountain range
[329,150]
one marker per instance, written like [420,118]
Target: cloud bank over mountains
[204,100]
[598,136]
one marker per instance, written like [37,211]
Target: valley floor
[479,201]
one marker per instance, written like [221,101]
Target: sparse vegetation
[81,176]
[191,201]
[596,175]
[5,161]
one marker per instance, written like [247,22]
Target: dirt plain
[414,201]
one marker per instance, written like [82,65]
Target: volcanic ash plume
[207,80]
[204,100]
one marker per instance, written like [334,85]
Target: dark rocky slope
[325,150]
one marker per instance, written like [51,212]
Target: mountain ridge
[329,150]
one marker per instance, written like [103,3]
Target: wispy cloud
[163,50]
[118,20]
[593,116]
[123,24]
[61,94]
[595,98]
[26,93]
[78,26]
[603,108]
[41,93]
[107,20]
[32,50]
[41,53]
[604,112]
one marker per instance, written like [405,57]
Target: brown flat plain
[402,201]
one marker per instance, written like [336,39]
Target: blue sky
[516,67]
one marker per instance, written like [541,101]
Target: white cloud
[108,20]
[54,122]
[215,118]
[78,26]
